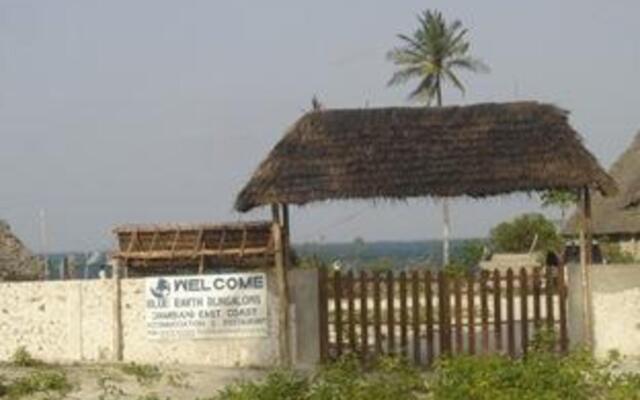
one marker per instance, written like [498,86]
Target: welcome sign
[206,306]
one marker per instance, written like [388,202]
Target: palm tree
[434,54]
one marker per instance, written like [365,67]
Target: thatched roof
[184,246]
[618,214]
[16,261]
[397,153]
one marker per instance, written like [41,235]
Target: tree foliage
[562,199]
[517,236]
[433,54]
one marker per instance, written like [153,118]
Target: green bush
[517,236]
[22,358]
[470,254]
[145,374]
[278,385]
[541,375]
[390,379]
[612,252]
[48,382]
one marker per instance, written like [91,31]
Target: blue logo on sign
[162,289]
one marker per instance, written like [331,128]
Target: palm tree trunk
[446,217]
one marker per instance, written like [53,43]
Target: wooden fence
[422,314]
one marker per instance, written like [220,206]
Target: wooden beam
[154,239]
[283,287]
[586,251]
[117,311]
[175,241]
[248,251]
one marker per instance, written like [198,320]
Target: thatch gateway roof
[618,214]
[397,153]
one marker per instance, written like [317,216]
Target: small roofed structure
[618,217]
[403,152]
[197,248]
[398,153]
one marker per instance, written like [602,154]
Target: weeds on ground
[152,396]
[109,390]
[389,379]
[145,374]
[52,383]
[3,386]
[22,358]
[178,380]
[542,374]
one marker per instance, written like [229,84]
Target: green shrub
[389,379]
[543,374]
[470,254]
[22,358]
[145,374]
[3,386]
[278,385]
[517,236]
[48,382]
[612,252]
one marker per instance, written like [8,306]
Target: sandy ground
[110,382]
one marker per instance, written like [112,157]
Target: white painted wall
[616,309]
[74,321]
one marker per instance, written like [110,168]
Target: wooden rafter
[189,253]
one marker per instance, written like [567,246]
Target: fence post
[323,314]
[562,299]
[497,313]
[457,293]
[377,330]
[471,317]
[524,310]
[403,315]
[415,315]
[484,311]
[391,331]
[117,310]
[511,334]
[351,312]
[444,314]
[337,312]
[364,323]
[428,296]
[549,298]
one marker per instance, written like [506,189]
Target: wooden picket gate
[422,315]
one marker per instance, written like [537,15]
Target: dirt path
[142,382]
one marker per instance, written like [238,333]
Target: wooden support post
[117,310]
[586,252]
[283,287]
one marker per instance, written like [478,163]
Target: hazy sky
[159,111]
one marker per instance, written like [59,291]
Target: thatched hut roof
[618,214]
[17,263]
[398,153]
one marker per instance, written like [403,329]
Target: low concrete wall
[74,321]
[616,309]
[57,321]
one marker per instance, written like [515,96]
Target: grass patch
[542,374]
[145,374]
[52,383]
[390,379]
[22,358]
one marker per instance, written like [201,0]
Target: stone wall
[74,321]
